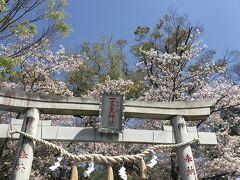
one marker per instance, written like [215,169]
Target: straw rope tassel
[110,173]
[143,169]
[74,174]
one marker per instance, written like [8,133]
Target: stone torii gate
[33,105]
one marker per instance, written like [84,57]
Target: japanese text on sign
[111,114]
[113,109]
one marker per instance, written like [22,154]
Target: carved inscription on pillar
[190,170]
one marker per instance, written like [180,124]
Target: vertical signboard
[111,113]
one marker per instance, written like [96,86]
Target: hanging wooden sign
[111,113]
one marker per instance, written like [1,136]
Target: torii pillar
[184,153]
[23,163]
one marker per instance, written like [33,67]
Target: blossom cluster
[174,76]
[38,69]
[118,86]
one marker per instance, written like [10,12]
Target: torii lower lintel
[82,134]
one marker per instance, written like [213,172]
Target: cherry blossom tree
[182,77]
[177,66]
[37,71]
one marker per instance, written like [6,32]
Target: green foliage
[24,29]
[32,29]
[63,3]
[21,29]
[24,18]
[63,28]
[81,80]
[171,32]
[141,32]
[51,4]
[7,66]
[135,90]
[2,5]
[57,15]
[106,58]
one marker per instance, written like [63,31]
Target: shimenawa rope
[102,158]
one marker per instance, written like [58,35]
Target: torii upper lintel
[17,101]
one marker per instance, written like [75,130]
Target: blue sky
[92,19]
